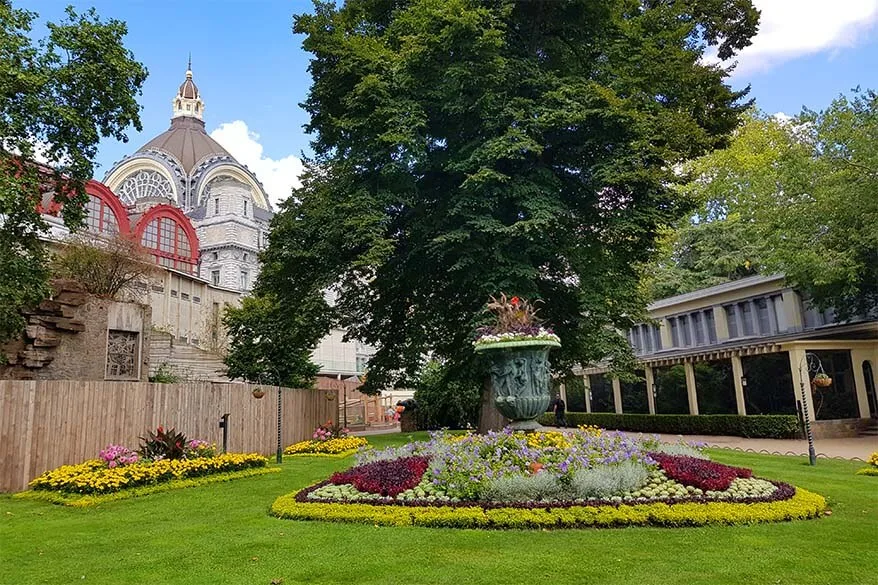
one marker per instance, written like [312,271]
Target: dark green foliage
[272,344]
[58,98]
[467,148]
[704,253]
[163,444]
[445,399]
[766,426]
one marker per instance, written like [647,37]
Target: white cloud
[793,28]
[277,176]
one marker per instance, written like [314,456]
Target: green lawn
[222,533]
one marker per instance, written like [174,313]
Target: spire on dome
[187,102]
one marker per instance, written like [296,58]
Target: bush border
[802,505]
[765,426]
[870,470]
[83,501]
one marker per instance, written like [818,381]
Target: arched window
[145,183]
[170,238]
[105,215]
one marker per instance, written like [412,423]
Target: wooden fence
[44,424]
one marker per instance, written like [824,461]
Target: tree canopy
[802,195]
[465,148]
[58,97]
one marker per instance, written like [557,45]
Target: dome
[188,89]
[187,141]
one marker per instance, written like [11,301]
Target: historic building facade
[184,169]
[750,346]
[204,217]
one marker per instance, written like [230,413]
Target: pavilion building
[750,346]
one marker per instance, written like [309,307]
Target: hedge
[763,426]
[802,505]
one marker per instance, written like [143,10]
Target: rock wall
[66,337]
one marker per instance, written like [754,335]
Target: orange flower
[535,466]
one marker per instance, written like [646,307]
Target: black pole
[280,454]
[812,455]
[225,425]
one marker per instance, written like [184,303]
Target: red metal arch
[103,193]
[180,219]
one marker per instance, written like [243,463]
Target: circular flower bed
[514,480]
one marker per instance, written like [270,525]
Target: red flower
[514,301]
[161,430]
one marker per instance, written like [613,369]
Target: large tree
[464,147]
[805,193]
[58,97]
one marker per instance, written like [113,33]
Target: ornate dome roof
[187,141]
[188,89]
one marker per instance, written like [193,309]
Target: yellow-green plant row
[802,505]
[94,477]
[871,467]
[339,446]
[85,500]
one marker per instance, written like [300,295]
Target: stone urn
[520,379]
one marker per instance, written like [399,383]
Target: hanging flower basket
[822,381]
[258,392]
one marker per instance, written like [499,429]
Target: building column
[691,392]
[858,356]
[738,376]
[650,384]
[563,390]
[799,370]
[665,334]
[587,385]
[792,310]
[721,322]
[617,395]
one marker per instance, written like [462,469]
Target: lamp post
[813,365]
[280,453]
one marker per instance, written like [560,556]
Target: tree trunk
[490,418]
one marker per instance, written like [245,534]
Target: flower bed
[871,466]
[164,456]
[328,440]
[94,477]
[506,480]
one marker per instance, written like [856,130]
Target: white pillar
[563,389]
[738,375]
[587,392]
[650,383]
[691,392]
[617,395]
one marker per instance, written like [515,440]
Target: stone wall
[66,337]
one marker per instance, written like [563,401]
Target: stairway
[871,430]
[189,362]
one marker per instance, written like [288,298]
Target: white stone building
[204,217]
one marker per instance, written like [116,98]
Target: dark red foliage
[699,473]
[387,478]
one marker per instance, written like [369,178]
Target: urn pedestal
[520,379]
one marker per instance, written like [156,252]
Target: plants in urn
[518,350]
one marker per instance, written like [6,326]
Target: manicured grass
[222,533]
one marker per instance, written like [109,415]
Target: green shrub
[768,426]
[446,398]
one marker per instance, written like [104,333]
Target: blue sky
[252,71]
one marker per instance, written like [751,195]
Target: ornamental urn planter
[520,379]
